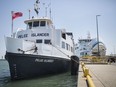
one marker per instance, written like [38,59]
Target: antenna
[49,5]
[45,9]
[29,12]
[46,12]
[50,9]
[36,7]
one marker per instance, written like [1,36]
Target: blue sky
[77,16]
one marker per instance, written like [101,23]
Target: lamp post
[97,33]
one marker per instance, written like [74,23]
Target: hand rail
[87,75]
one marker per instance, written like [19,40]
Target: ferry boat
[89,47]
[38,50]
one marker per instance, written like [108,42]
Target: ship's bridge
[38,29]
[39,22]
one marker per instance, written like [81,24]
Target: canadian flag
[16,14]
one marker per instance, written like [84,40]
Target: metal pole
[46,12]
[29,13]
[12,24]
[97,33]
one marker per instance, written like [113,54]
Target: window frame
[48,41]
[43,24]
[63,45]
[35,24]
[39,41]
[30,25]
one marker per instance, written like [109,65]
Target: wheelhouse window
[64,35]
[30,25]
[47,41]
[39,41]
[42,23]
[63,44]
[36,24]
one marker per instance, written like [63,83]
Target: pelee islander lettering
[39,34]
[34,35]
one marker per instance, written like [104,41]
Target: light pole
[97,33]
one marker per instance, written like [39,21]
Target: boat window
[82,53]
[47,41]
[42,23]
[66,46]
[64,35]
[30,25]
[63,44]
[69,47]
[39,41]
[36,24]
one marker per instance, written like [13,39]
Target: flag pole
[29,13]
[12,24]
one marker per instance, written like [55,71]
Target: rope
[65,54]
[61,51]
[75,60]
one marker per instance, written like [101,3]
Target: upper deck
[39,22]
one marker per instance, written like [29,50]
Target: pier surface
[103,75]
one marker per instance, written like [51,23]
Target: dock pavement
[103,75]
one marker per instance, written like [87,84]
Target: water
[4,73]
[60,80]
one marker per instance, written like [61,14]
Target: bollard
[74,65]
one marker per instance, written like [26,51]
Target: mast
[88,35]
[36,7]
[50,9]
[29,13]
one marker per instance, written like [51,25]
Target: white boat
[89,47]
[40,49]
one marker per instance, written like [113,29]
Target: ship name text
[34,35]
[44,60]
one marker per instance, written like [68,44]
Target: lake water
[59,80]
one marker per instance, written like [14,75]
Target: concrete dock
[103,75]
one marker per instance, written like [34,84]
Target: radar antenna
[46,9]
[36,7]
[50,10]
